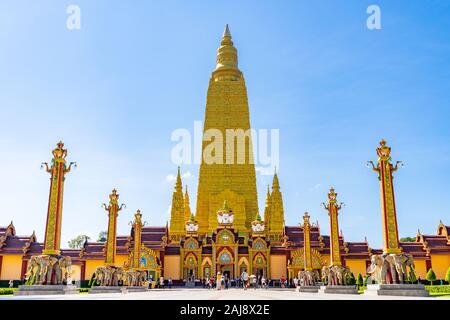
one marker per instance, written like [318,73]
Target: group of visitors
[223,281]
[160,283]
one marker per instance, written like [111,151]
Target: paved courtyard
[204,294]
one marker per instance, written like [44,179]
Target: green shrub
[83,290]
[366,279]
[4,291]
[447,275]
[412,277]
[438,289]
[359,281]
[350,281]
[93,281]
[431,276]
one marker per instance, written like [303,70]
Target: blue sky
[116,89]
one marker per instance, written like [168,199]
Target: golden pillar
[384,168]
[137,229]
[113,211]
[58,170]
[333,208]
[307,242]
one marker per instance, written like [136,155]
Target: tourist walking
[244,277]
[295,282]
[161,282]
[169,282]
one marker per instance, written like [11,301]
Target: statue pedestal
[134,289]
[338,289]
[106,289]
[32,290]
[309,289]
[414,290]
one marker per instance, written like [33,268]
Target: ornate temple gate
[225,254]
[297,262]
[149,262]
[191,255]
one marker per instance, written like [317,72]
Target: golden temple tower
[187,206]
[276,212]
[333,208]
[137,229]
[384,168]
[267,209]
[177,214]
[227,171]
[58,170]
[307,242]
[113,211]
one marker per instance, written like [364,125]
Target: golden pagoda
[226,176]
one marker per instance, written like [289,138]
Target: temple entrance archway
[297,262]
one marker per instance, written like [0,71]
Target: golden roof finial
[227,59]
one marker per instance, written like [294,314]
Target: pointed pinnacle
[226,32]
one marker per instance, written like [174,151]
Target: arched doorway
[297,262]
[190,268]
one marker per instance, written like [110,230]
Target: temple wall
[440,263]
[357,266]
[277,266]
[421,268]
[91,265]
[11,267]
[121,259]
[76,272]
[172,267]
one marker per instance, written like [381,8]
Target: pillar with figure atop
[137,229]
[57,170]
[385,168]
[309,276]
[113,209]
[394,281]
[307,242]
[333,211]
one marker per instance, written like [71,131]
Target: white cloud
[172,177]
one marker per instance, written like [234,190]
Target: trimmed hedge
[4,291]
[438,289]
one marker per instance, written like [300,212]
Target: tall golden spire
[276,221]
[267,209]
[178,184]
[187,207]
[223,173]
[177,212]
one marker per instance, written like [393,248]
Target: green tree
[447,275]
[78,242]
[359,281]
[431,276]
[366,279]
[412,277]
[408,239]
[351,279]
[102,236]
